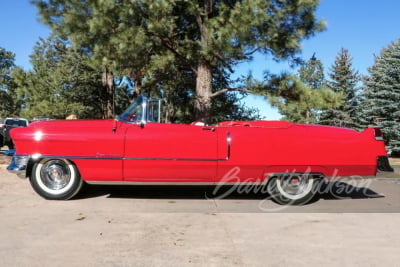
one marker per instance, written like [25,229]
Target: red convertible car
[289,159]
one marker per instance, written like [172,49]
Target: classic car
[290,159]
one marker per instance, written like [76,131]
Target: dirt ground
[142,226]
[4,160]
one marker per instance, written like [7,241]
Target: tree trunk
[203,79]
[109,88]
[308,114]
[137,79]
[203,92]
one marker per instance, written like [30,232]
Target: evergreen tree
[10,104]
[311,73]
[300,98]
[380,104]
[344,80]
[171,36]
[179,90]
[61,82]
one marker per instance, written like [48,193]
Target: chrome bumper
[18,165]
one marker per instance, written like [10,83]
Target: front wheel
[56,179]
[293,189]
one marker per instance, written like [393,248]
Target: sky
[364,27]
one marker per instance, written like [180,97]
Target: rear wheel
[56,179]
[293,189]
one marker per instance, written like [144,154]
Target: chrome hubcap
[55,174]
[294,185]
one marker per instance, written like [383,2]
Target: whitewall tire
[56,179]
[293,189]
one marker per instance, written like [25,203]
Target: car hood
[71,124]
[60,127]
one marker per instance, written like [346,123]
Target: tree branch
[252,52]
[223,91]
[166,43]
[223,62]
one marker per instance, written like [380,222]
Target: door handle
[207,128]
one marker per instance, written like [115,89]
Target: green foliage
[311,73]
[61,82]
[300,98]
[381,96]
[228,107]
[9,102]
[7,64]
[343,79]
[181,37]
[179,102]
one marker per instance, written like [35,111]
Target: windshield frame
[142,111]
[141,102]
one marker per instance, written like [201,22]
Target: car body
[290,159]
[9,124]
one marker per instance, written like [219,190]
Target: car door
[170,153]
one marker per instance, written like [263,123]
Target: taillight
[378,134]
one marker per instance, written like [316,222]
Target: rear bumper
[384,165]
[18,165]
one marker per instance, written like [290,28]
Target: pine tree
[10,103]
[312,73]
[61,82]
[344,80]
[381,96]
[300,98]
[173,36]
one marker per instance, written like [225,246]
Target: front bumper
[384,165]
[18,165]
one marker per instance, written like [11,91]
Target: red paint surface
[107,150]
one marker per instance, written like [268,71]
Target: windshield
[135,111]
[142,110]
[16,122]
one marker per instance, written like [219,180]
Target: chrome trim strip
[173,159]
[146,183]
[174,183]
[228,140]
[78,157]
[126,158]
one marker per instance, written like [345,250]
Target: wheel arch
[274,171]
[270,177]
[316,175]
